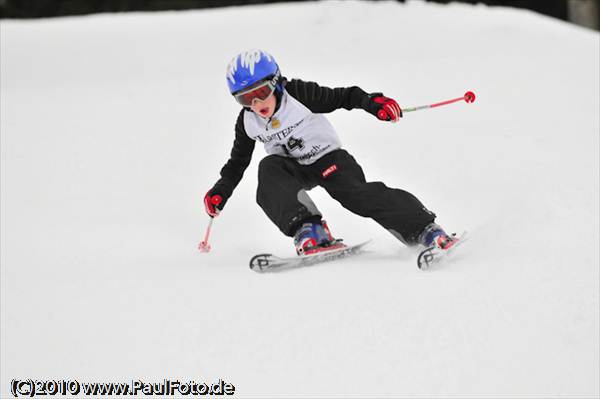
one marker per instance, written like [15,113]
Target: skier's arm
[321,99]
[232,172]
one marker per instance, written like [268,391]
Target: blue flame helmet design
[251,67]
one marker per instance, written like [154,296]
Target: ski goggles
[261,91]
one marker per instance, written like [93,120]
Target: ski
[433,255]
[268,262]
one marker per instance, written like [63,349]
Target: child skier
[305,151]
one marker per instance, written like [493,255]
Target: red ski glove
[213,203]
[384,108]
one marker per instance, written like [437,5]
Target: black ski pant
[282,186]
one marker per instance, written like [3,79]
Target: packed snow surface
[114,126]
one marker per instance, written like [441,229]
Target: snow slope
[114,126]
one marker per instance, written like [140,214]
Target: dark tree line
[563,9]
[54,8]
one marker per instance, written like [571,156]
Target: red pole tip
[469,97]
[216,199]
[204,246]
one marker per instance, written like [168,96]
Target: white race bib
[293,131]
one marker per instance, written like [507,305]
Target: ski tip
[259,261]
[426,258]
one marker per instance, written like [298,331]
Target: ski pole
[469,97]
[204,246]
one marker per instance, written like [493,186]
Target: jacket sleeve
[321,99]
[241,155]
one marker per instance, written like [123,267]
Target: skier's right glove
[213,203]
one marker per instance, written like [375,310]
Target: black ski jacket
[318,99]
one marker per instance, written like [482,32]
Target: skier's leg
[397,210]
[281,193]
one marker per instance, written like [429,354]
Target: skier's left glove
[384,108]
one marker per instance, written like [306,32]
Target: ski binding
[433,255]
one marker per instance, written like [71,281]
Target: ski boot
[437,245]
[435,236]
[315,237]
